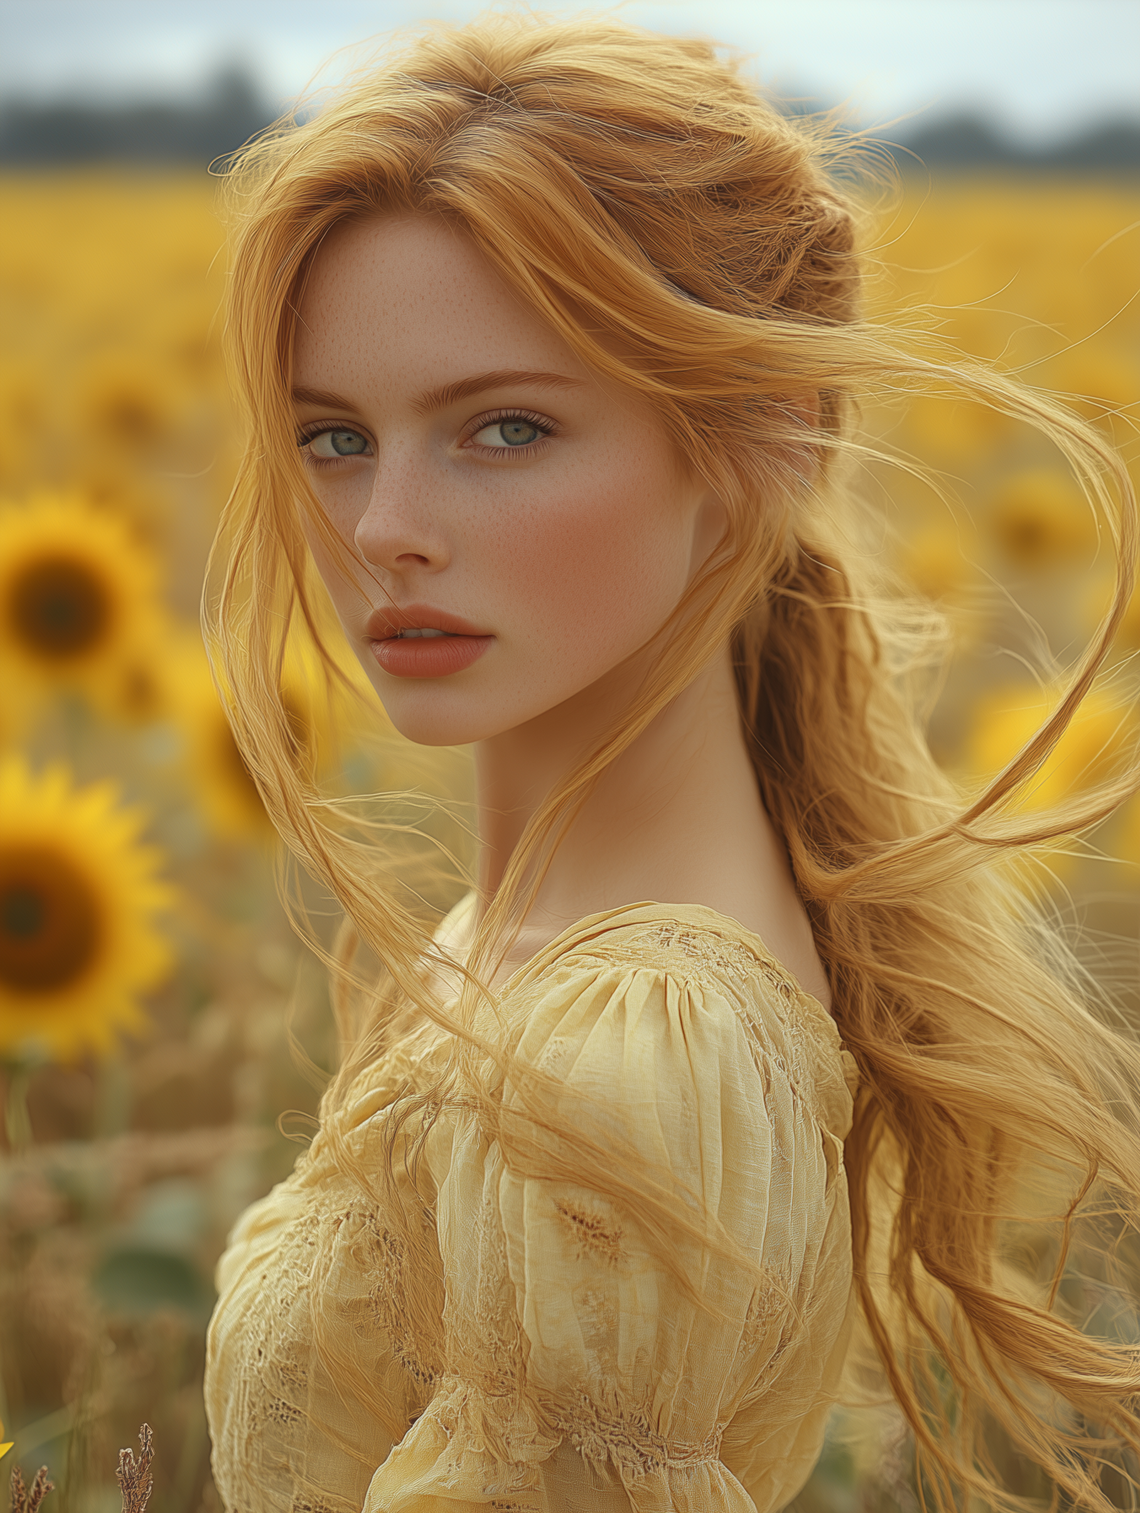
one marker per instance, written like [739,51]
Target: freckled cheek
[343,588]
[343,502]
[596,562]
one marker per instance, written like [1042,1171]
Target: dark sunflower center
[299,735]
[233,759]
[50,920]
[59,608]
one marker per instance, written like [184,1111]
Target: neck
[679,791]
[676,819]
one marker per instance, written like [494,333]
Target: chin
[432,720]
[444,712]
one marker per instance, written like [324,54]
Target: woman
[550,345]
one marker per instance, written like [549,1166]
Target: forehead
[401,299]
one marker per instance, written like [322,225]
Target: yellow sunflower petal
[78,896]
[79,603]
[228,796]
[1040,519]
[1005,719]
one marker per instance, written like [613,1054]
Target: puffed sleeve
[581,1376]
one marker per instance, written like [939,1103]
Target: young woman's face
[488,484]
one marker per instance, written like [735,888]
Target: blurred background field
[162,1034]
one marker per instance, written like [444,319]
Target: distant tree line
[38,133]
[970,141]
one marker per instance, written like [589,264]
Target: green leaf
[134,1280]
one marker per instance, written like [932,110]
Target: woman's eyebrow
[464,388]
[324,398]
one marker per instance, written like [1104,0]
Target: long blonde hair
[637,181]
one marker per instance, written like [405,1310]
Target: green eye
[337,444]
[515,431]
[518,433]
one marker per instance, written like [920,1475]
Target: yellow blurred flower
[6,1444]
[118,486]
[129,399]
[227,794]
[952,431]
[78,596]
[1005,719]
[1107,379]
[1040,519]
[1127,836]
[935,559]
[1094,602]
[23,408]
[78,894]
[187,329]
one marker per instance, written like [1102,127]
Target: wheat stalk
[134,1478]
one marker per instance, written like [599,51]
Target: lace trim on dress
[627,1441]
[679,948]
[697,952]
[686,952]
[518,1434]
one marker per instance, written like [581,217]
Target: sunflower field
[163,1036]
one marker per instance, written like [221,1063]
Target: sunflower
[937,558]
[78,893]
[128,400]
[78,600]
[1005,719]
[23,408]
[1041,520]
[1095,601]
[6,1444]
[940,428]
[228,796]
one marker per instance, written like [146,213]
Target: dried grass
[24,1499]
[133,1476]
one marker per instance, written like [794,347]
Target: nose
[400,531]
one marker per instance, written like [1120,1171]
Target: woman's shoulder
[684,941]
[688,943]
[699,969]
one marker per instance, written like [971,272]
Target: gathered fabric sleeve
[580,1376]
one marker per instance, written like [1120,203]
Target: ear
[708,530]
[804,405]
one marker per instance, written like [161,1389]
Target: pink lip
[424,656]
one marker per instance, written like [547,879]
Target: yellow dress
[567,1370]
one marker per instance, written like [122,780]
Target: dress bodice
[534,1350]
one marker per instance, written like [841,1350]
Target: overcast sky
[1039,67]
